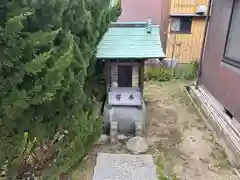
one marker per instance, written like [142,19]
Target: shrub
[47,108]
[158,74]
[189,71]
[186,71]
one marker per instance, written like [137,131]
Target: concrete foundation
[226,133]
[129,119]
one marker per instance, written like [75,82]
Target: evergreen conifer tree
[47,53]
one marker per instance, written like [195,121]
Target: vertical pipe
[203,43]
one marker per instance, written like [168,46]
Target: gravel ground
[175,133]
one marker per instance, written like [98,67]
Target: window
[181,24]
[232,49]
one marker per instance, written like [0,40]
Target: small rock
[204,160]
[122,137]
[137,145]
[193,139]
[45,147]
[113,140]
[236,172]
[212,168]
[103,139]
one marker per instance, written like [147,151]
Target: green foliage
[187,72]
[158,74]
[161,173]
[47,57]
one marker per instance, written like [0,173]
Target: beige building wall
[135,76]
[135,73]
[114,73]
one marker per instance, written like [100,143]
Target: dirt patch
[177,134]
[188,147]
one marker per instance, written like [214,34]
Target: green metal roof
[131,40]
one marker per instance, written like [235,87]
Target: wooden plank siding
[187,46]
[186,6]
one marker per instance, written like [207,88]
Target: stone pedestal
[138,129]
[129,119]
[113,131]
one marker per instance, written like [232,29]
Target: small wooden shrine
[124,49]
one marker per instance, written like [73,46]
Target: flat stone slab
[137,145]
[124,167]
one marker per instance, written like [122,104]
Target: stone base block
[130,120]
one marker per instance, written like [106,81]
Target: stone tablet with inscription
[125,97]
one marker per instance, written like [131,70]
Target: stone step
[124,167]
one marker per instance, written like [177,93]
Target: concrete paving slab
[124,167]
